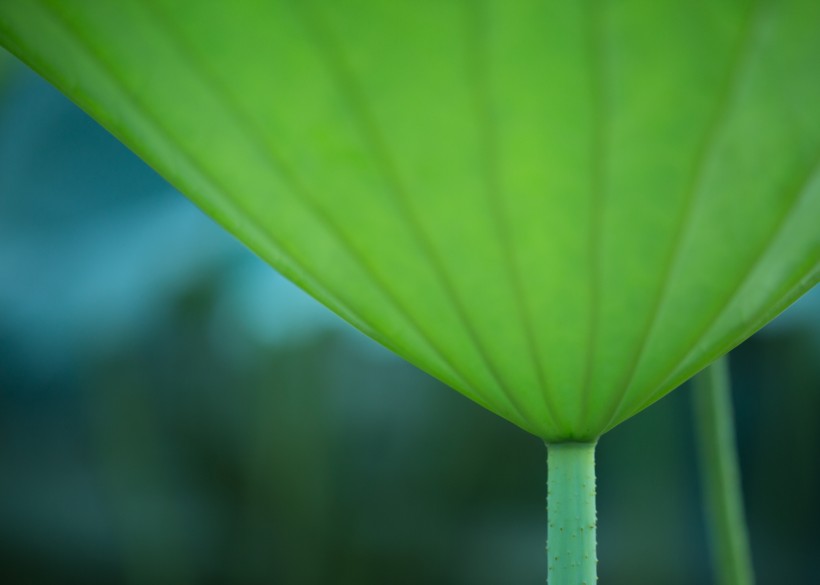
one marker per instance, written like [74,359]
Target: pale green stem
[720,476]
[571,544]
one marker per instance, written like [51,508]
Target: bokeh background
[174,412]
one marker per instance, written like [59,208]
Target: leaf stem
[571,544]
[720,476]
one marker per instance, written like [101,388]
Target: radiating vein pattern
[561,209]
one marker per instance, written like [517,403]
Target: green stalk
[720,476]
[571,544]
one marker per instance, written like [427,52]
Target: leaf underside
[561,209]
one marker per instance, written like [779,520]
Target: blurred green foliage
[165,463]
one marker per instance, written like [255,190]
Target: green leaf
[561,209]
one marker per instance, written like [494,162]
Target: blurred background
[174,412]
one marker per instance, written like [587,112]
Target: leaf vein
[703,159]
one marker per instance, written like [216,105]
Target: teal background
[172,411]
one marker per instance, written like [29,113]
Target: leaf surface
[561,209]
